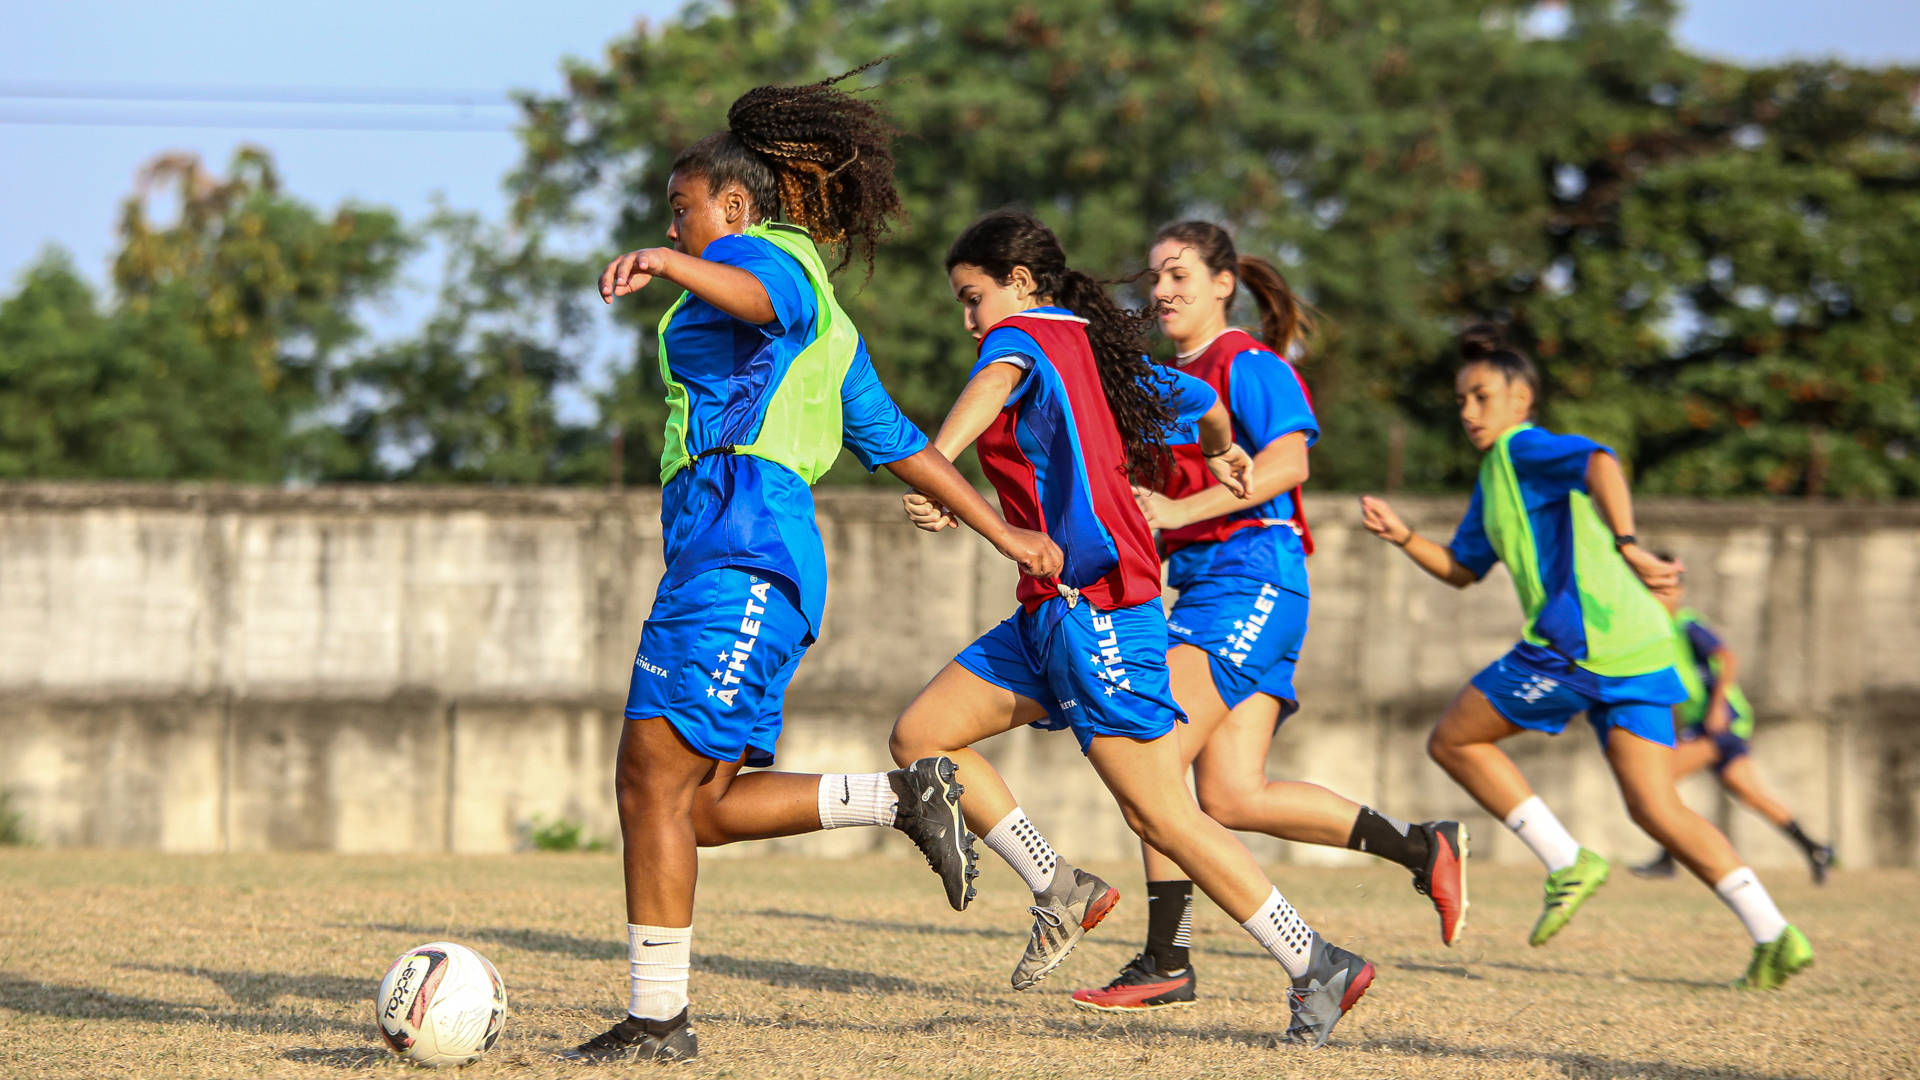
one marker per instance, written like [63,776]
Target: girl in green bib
[1714,724]
[767,380]
[1557,511]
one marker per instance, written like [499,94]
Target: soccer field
[126,964]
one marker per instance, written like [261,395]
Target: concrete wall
[210,669]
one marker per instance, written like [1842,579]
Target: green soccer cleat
[1568,888]
[1777,961]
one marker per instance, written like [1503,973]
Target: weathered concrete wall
[208,669]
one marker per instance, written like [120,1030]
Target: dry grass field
[119,964]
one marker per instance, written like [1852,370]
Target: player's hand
[1380,520]
[927,514]
[1035,552]
[630,272]
[1234,470]
[1655,572]
[1160,511]
[1718,719]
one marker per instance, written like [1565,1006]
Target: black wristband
[1622,541]
[1222,453]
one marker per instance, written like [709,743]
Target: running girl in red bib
[1066,409]
[1240,566]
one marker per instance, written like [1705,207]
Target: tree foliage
[472,396]
[1711,261]
[1714,263]
[215,353]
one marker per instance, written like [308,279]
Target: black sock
[1807,844]
[1377,834]
[1169,922]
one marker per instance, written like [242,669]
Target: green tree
[1740,286]
[213,357]
[472,396]
[1412,165]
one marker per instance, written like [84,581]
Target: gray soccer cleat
[1334,981]
[634,1040]
[929,813]
[1073,904]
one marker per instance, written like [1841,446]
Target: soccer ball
[441,1004]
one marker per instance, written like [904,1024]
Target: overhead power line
[227,94]
[263,121]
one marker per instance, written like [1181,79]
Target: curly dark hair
[819,157]
[1285,319]
[1139,392]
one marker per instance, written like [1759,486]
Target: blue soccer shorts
[715,657]
[1539,691]
[1727,747]
[1096,672]
[1251,632]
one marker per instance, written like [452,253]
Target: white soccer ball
[441,1004]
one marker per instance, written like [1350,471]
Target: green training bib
[801,424]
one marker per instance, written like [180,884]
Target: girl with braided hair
[1069,413]
[766,380]
[1240,566]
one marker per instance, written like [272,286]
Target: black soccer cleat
[635,1040]
[1660,867]
[1821,861]
[929,813]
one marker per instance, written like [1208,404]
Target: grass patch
[561,834]
[266,965]
[13,824]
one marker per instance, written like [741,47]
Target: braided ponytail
[1138,392]
[817,156]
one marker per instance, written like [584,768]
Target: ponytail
[1285,319]
[1138,392]
[818,156]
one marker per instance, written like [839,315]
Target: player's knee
[1657,812]
[1227,804]
[906,743]
[707,828]
[1135,818]
[1164,827]
[1441,748]
[640,792]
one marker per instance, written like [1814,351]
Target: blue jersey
[1056,460]
[1267,402]
[736,510]
[1582,601]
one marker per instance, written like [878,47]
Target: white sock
[1281,931]
[1742,891]
[1017,841]
[856,799]
[657,958]
[1543,834]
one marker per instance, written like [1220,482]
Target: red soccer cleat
[1444,879]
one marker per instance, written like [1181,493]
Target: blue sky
[64,181]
